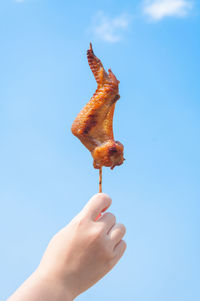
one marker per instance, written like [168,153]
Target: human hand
[86,249]
[77,256]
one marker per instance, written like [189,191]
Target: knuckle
[124,245]
[97,233]
[110,216]
[103,247]
[80,221]
[123,228]
[113,217]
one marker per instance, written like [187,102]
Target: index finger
[97,204]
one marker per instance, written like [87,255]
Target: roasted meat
[94,124]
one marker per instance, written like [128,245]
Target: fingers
[97,204]
[120,249]
[117,233]
[108,220]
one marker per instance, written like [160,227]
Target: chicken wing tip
[91,47]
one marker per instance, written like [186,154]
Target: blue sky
[46,175]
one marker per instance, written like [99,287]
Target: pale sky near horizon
[46,175]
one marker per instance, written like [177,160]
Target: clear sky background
[46,175]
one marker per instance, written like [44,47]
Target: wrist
[55,288]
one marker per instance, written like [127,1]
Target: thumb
[97,204]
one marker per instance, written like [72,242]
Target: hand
[86,249]
[77,256]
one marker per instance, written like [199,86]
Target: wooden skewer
[100,179]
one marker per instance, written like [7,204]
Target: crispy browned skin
[94,124]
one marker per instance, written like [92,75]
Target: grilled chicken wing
[93,125]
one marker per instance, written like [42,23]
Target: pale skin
[78,256]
